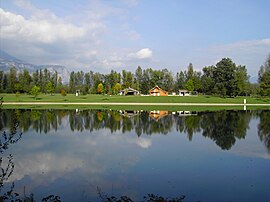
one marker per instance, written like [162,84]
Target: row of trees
[224,79]
[23,81]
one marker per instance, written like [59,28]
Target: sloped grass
[131,99]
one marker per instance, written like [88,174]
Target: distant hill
[7,61]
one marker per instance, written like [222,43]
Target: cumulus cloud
[36,30]
[83,39]
[144,53]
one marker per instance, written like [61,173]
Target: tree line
[223,79]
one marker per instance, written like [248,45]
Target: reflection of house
[129,113]
[156,115]
[157,91]
[184,93]
[129,91]
[186,113]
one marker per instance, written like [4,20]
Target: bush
[63,92]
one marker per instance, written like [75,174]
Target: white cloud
[133,35]
[131,2]
[77,40]
[37,31]
[252,54]
[144,53]
[244,45]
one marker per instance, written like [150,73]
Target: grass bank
[130,99]
[130,102]
[127,107]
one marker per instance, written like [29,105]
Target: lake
[88,155]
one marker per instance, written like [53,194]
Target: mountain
[7,61]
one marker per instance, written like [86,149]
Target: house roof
[129,90]
[157,87]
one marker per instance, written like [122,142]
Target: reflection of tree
[264,128]
[6,172]
[188,124]
[224,126]
[7,165]
[148,198]
[9,138]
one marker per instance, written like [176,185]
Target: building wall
[157,92]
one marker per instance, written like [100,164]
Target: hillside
[7,61]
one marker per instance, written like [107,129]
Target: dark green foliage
[264,78]
[225,79]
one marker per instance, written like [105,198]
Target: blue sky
[104,35]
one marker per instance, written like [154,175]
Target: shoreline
[130,104]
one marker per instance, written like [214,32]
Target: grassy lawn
[129,99]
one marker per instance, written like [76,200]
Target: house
[157,91]
[129,113]
[187,113]
[184,93]
[156,115]
[129,91]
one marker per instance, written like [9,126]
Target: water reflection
[76,153]
[264,128]
[223,127]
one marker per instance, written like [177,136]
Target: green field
[131,99]
[106,99]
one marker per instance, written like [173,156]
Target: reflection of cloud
[144,143]
[141,142]
[60,154]
[251,153]
[251,147]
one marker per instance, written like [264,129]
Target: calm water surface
[80,155]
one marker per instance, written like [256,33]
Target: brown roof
[157,87]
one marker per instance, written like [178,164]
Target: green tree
[12,80]
[2,81]
[138,78]
[189,85]
[190,72]
[180,81]
[49,88]
[264,78]
[127,79]
[225,78]
[35,91]
[242,80]
[167,80]
[116,88]
[24,79]
[72,82]
[207,80]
